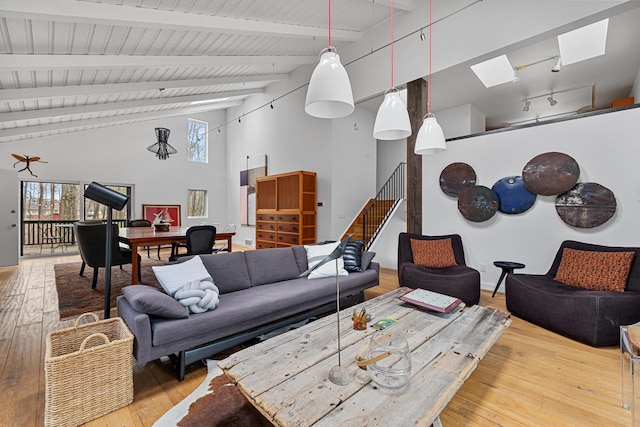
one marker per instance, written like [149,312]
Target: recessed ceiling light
[584,43]
[494,71]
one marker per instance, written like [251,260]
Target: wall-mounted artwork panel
[254,167]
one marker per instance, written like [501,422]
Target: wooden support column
[417,106]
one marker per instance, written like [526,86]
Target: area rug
[75,295]
[216,402]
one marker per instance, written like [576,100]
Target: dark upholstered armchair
[92,241]
[459,281]
[589,316]
[200,241]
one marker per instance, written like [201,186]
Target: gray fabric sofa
[260,291]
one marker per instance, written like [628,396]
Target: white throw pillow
[174,276]
[316,253]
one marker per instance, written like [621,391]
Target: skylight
[494,71]
[584,43]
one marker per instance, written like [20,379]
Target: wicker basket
[88,371]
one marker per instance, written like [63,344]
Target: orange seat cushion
[596,271]
[433,253]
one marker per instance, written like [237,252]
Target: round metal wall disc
[513,196]
[586,205]
[478,203]
[550,174]
[456,177]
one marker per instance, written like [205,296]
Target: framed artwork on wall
[255,167]
[162,213]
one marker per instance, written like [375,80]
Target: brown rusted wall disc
[478,203]
[456,177]
[550,174]
[586,205]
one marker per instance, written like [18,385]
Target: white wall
[390,155]
[635,90]
[606,150]
[460,121]
[293,140]
[118,155]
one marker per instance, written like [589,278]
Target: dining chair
[143,223]
[92,240]
[200,240]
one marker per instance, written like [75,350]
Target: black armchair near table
[200,240]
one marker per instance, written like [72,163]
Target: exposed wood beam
[417,91]
[7,134]
[108,14]
[47,92]
[48,62]
[111,106]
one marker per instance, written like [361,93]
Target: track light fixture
[552,101]
[557,65]
[527,104]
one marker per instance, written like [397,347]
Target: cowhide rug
[216,402]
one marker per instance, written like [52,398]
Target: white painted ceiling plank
[45,92]
[94,13]
[93,108]
[49,62]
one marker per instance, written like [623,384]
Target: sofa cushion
[593,270]
[174,276]
[301,257]
[228,270]
[271,265]
[433,253]
[353,256]
[317,253]
[151,301]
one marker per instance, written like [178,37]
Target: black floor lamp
[112,200]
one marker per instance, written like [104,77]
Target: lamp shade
[329,95]
[106,196]
[392,120]
[430,139]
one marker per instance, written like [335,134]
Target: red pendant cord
[392,52]
[430,50]
[329,9]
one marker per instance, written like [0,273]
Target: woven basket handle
[95,318]
[96,335]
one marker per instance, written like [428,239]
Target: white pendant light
[329,94]
[392,120]
[430,139]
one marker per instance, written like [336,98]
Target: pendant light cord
[430,52]
[392,47]
[329,20]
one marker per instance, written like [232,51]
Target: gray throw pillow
[367,257]
[353,256]
[151,301]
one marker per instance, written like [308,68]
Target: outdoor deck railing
[52,232]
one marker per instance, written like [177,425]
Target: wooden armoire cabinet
[286,209]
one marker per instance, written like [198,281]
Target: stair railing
[392,192]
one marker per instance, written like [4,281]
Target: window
[197,141]
[96,211]
[197,203]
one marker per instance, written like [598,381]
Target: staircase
[377,211]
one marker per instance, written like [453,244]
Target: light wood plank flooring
[531,377]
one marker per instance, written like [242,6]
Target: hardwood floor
[531,377]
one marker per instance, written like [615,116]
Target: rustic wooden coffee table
[286,377]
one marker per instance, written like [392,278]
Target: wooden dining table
[135,237]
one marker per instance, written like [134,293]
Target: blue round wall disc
[513,195]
